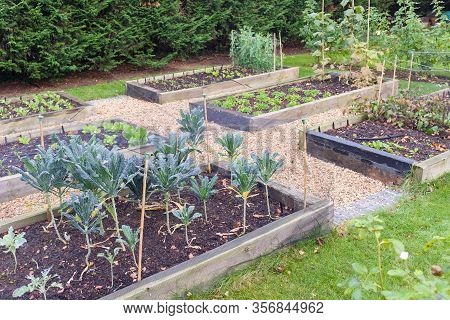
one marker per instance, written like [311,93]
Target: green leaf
[359,268]
[397,273]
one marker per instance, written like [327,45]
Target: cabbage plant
[267,165]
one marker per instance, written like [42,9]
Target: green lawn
[421,88]
[304,61]
[99,91]
[298,272]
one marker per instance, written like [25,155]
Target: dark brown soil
[284,96]
[11,153]
[161,251]
[418,76]
[201,78]
[406,142]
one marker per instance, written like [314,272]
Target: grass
[311,271]
[99,91]
[304,61]
[421,88]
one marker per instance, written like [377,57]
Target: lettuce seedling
[136,136]
[186,215]
[168,172]
[91,129]
[244,178]
[86,217]
[204,189]
[12,242]
[40,284]
[267,166]
[111,258]
[131,240]
[193,124]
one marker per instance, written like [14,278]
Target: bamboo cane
[381,81]
[368,33]
[394,75]
[410,70]
[274,52]
[141,228]
[205,111]
[41,130]
[323,35]
[281,51]
[305,164]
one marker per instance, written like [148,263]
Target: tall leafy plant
[245,175]
[204,190]
[193,124]
[186,215]
[267,165]
[232,145]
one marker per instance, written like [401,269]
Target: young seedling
[204,189]
[86,218]
[245,175]
[168,172]
[232,145]
[267,165]
[111,258]
[40,284]
[186,215]
[12,242]
[47,173]
[131,240]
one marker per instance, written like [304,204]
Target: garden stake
[381,81]
[41,129]
[305,164]
[323,37]
[274,52]
[410,69]
[141,228]
[393,76]
[205,111]
[368,32]
[281,51]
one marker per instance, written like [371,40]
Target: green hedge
[48,38]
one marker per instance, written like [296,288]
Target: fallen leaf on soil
[98,287]
[190,256]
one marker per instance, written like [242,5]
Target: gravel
[325,180]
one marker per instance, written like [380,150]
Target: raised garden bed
[383,150]
[169,266]
[11,150]
[277,105]
[22,114]
[210,81]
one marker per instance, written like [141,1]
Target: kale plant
[186,215]
[86,217]
[131,240]
[267,166]
[204,189]
[12,242]
[245,175]
[232,145]
[40,284]
[193,124]
[111,258]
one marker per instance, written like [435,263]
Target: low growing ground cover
[416,128]
[283,96]
[116,133]
[39,103]
[314,269]
[201,78]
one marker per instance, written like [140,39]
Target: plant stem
[116,221]
[88,244]
[204,209]
[167,199]
[134,258]
[61,212]
[52,216]
[379,262]
[245,213]
[112,275]
[267,201]
[15,261]
[186,234]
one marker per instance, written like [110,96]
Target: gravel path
[325,180]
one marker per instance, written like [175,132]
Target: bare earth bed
[404,141]
[161,251]
[325,180]
[199,79]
